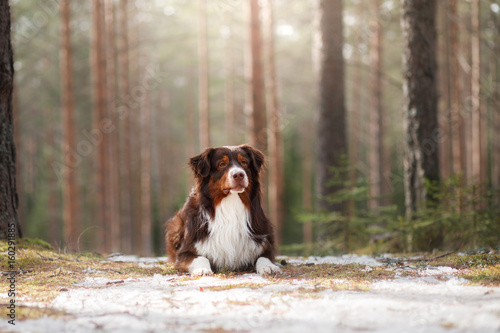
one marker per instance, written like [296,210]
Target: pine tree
[421,126]
[70,194]
[9,223]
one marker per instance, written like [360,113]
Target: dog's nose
[238,175]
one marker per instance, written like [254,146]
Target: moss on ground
[42,272]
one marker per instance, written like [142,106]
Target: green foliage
[459,216]
[456,216]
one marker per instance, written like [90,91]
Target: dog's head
[228,169]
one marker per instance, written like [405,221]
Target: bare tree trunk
[9,223]
[203,76]
[496,114]
[419,66]
[475,97]
[307,198]
[257,121]
[457,130]
[135,129]
[70,194]
[146,219]
[375,152]
[445,114]
[98,68]
[126,204]
[229,104]
[354,116]
[275,141]
[19,144]
[53,202]
[331,140]
[113,223]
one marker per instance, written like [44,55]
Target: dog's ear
[257,156]
[201,164]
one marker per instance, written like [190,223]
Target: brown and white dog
[222,225]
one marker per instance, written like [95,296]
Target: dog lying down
[222,225]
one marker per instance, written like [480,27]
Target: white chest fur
[229,244]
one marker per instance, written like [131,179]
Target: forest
[380,119]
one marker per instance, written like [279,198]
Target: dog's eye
[244,163]
[222,165]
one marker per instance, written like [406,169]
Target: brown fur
[189,225]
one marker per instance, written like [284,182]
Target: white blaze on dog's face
[238,179]
[232,170]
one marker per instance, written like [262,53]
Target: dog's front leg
[200,266]
[265,266]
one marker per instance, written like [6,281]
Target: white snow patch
[171,303]
[342,260]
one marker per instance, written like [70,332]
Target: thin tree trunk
[496,114]
[146,219]
[375,153]
[191,141]
[229,104]
[456,91]
[475,97]
[275,141]
[257,121]
[307,200]
[135,130]
[69,194]
[53,204]
[9,222]
[203,76]
[331,140]
[98,68]
[126,205]
[419,66]
[354,116]
[112,181]
[445,120]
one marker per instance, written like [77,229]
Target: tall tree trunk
[98,68]
[307,176]
[9,222]
[113,223]
[354,115]
[421,126]
[203,76]
[126,204]
[331,139]
[496,113]
[375,152]
[275,141]
[457,131]
[53,204]
[190,113]
[69,195]
[229,104]
[257,121]
[146,219]
[475,97]
[135,127]
[445,114]
[19,144]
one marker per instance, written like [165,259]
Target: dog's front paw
[200,266]
[265,266]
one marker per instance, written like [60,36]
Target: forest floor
[57,292]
